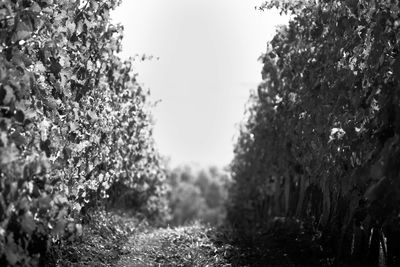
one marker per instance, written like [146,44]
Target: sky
[205,63]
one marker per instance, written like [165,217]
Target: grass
[180,246]
[119,240]
[112,239]
[100,244]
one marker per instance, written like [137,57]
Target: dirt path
[181,246]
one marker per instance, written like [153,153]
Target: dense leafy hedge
[73,121]
[322,138]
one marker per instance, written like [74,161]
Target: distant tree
[187,203]
[202,181]
[213,195]
[197,195]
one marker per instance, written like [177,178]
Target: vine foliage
[322,138]
[73,121]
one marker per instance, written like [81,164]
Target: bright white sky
[208,51]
